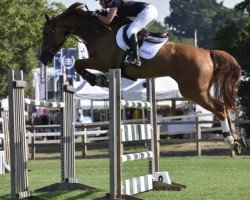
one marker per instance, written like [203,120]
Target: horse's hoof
[92,83]
[102,81]
[242,142]
[237,148]
[90,78]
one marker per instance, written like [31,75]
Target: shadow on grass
[83,195]
[54,195]
[4,197]
[204,152]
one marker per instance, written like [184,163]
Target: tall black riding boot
[133,42]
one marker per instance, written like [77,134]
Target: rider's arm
[109,18]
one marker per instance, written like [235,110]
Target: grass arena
[207,177]
[212,176]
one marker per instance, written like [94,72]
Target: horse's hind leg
[219,110]
[237,138]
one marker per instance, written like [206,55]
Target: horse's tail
[226,77]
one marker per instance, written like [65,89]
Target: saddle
[146,35]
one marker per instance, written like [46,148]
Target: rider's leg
[133,42]
[143,19]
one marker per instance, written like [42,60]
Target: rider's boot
[133,42]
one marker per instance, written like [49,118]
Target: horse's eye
[48,30]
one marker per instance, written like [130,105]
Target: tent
[85,91]
[165,88]
[94,96]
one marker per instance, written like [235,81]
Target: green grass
[206,178]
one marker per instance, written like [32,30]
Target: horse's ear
[47,17]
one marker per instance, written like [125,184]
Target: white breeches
[143,19]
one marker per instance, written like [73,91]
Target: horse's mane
[75,5]
[75,8]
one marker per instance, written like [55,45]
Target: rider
[144,15]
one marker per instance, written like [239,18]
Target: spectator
[44,120]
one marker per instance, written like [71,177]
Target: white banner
[58,68]
[82,51]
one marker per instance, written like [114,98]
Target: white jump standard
[4,139]
[18,146]
[119,133]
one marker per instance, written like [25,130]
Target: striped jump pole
[119,133]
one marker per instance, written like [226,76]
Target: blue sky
[161,5]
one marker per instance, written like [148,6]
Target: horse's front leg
[92,79]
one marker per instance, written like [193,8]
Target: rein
[82,40]
[90,30]
[94,26]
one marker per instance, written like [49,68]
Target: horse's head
[57,29]
[77,20]
[53,39]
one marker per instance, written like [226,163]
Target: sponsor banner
[68,61]
[64,62]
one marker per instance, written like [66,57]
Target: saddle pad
[147,50]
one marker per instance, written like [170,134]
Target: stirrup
[135,62]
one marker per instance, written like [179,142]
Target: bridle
[51,28]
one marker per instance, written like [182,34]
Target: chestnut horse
[195,70]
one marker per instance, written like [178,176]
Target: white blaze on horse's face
[53,39]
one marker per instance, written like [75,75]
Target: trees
[204,16]
[20,35]
[244,6]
